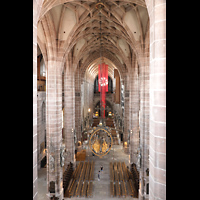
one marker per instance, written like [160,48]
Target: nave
[101,189]
[71,39]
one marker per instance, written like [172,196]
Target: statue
[104,146]
[51,163]
[139,159]
[96,146]
[62,157]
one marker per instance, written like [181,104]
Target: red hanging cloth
[106,76]
[103,84]
[99,77]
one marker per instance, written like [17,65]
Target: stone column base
[59,196]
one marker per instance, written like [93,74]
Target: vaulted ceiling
[76,24]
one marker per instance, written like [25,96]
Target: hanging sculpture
[101,141]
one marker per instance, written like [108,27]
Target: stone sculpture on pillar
[51,157]
[51,163]
[139,158]
[62,155]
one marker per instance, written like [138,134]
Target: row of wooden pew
[67,176]
[121,184]
[95,122]
[134,176]
[109,122]
[118,171]
[81,184]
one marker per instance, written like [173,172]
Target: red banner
[103,84]
[99,78]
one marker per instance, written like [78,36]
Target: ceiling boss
[99,5]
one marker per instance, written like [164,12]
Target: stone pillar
[54,129]
[126,113]
[78,104]
[157,170]
[134,114]
[144,123]
[35,175]
[69,112]
[91,97]
[36,10]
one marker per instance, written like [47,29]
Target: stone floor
[101,189]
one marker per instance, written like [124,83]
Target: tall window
[110,85]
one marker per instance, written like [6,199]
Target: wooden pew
[129,190]
[84,189]
[131,186]
[111,172]
[121,178]
[67,176]
[87,171]
[74,175]
[79,171]
[66,194]
[123,187]
[78,189]
[116,175]
[78,185]
[122,181]
[117,189]
[135,175]
[68,179]
[91,176]
[72,191]
[82,174]
[125,172]
[89,189]
[112,189]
